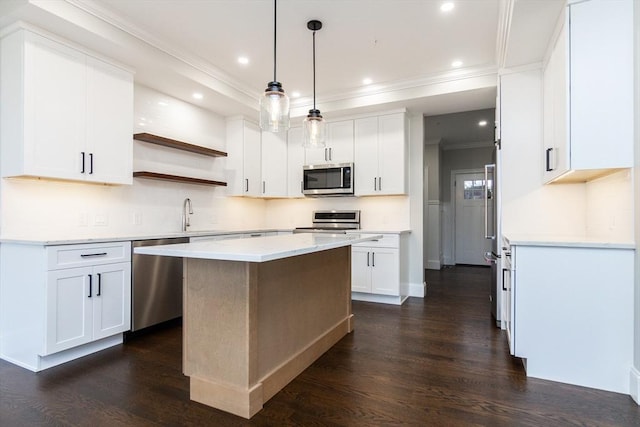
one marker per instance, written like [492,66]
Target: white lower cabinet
[62,302]
[86,304]
[572,314]
[376,271]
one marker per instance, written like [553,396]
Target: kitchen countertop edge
[567,242]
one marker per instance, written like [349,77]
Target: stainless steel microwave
[327,180]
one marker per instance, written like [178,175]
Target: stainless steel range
[332,222]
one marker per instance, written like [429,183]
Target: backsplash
[610,207]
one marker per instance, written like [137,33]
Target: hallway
[438,361]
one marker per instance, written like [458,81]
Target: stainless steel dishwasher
[156,285]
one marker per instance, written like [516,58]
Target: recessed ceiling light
[141,124]
[295,94]
[447,6]
[243,60]
[197,95]
[482,123]
[367,81]
[456,64]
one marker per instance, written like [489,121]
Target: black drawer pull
[92,255]
[99,284]
[90,286]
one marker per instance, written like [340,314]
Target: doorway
[470,243]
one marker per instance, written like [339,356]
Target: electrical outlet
[100,220]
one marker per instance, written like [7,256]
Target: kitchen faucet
[185,213]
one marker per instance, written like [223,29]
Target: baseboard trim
[434,264]
[418,289]
[383,299]
[634,385]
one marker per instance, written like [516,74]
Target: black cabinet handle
[367,259]
[246,185]
[90,163]
[380,183]
[99,284]
[548,159]
[92,255]
[264,187]
[82,169]
[504,270]
[373,259]
[375,183]
[90,286]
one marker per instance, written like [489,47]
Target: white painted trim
[634,385]
[418,289]
[433,264]
[383,299]
[505,17]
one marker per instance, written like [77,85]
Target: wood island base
[252,327]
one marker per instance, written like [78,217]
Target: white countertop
[258,249]
[565,241]
[403,231]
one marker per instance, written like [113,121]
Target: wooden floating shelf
[179,145]
[177,178]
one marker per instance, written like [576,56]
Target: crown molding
[505,18]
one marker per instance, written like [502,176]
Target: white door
[392,152]
[295,161]
[469,224]
[360,269]
[385,265]
[366,156]
[274,160]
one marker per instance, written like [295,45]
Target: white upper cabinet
[339,147]
[381,155]
[588,96]
[71,115]
[244,161]
[295,162]
[274,162]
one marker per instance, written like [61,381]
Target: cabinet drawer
[387,241]
[71,256]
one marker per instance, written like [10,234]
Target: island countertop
[258,249]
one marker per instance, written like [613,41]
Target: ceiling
[406,47]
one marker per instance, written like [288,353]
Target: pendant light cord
[314,70]
[275,27]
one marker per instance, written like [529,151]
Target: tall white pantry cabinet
[70,113]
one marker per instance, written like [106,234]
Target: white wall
[610,208]
[47,210]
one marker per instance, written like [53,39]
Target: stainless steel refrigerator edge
[493,232]
[156,285]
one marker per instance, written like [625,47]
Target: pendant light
[274,103]
[314,128]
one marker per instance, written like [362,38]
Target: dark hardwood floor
[438,361]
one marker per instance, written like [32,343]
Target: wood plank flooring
[438,361]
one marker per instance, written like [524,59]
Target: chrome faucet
[186,210]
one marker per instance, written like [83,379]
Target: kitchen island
[257,312]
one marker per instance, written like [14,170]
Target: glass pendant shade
[274,109]
[314,130]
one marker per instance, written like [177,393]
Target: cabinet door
[112,299]
[54,109]
[109,123]
[392,154]
[69,308]
[295,161]
[252,157]
[340,142]
[385,271]
[601,55]
[360,269]
[366,156]
[555,111]
[274,161]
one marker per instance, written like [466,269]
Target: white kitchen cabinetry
[376,272]
[244,161]
[588,107]
[71,115]
[274,161]
[232,236]
[572,313]
[381,155]
[295,162]
[339,147]
[62,302]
